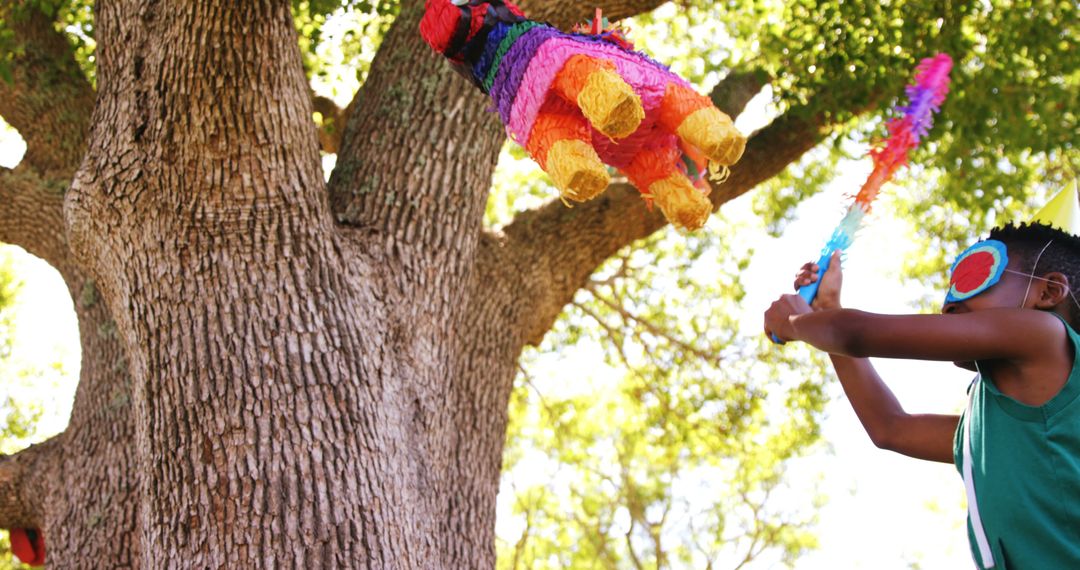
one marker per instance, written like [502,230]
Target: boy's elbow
[888,433]
[883,439]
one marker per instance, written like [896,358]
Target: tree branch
[24,481]
[32,215]
[419,149]
[737,89]
[334,119]
[48,101]
[566,13]
[630,546]
[614,334]
[630,319]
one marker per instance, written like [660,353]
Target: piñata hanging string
[924,99]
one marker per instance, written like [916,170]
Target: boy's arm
[989,334]
[923,436]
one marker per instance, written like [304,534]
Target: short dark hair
[1025,242]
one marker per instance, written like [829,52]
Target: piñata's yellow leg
[682,204]
[653,172]
[560,143]
[610,105]
[576,170]
[696,121]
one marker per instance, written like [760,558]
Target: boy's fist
[828,294]
[778,317]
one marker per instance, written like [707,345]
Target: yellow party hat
[1062,212]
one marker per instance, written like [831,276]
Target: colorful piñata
[578,101]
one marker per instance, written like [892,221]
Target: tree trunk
[302,394]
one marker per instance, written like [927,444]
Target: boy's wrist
[793,326]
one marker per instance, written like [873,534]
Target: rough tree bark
[277,370]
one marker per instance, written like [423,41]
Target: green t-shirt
[1026,473]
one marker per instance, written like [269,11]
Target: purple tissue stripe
[920,112]
[513,67]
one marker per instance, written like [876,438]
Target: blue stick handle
[809,292]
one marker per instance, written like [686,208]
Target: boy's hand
[828,293]
[778,317]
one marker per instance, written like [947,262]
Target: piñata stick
[924,99]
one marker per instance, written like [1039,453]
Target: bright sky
[883,512]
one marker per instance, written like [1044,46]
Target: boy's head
[1037,250]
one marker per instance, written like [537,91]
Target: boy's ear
[1055,290]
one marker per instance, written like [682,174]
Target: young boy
[1010,316]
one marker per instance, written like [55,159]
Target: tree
[266,354]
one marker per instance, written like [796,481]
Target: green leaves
[339,38]
[9,288]
[73,17]
[9,50]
